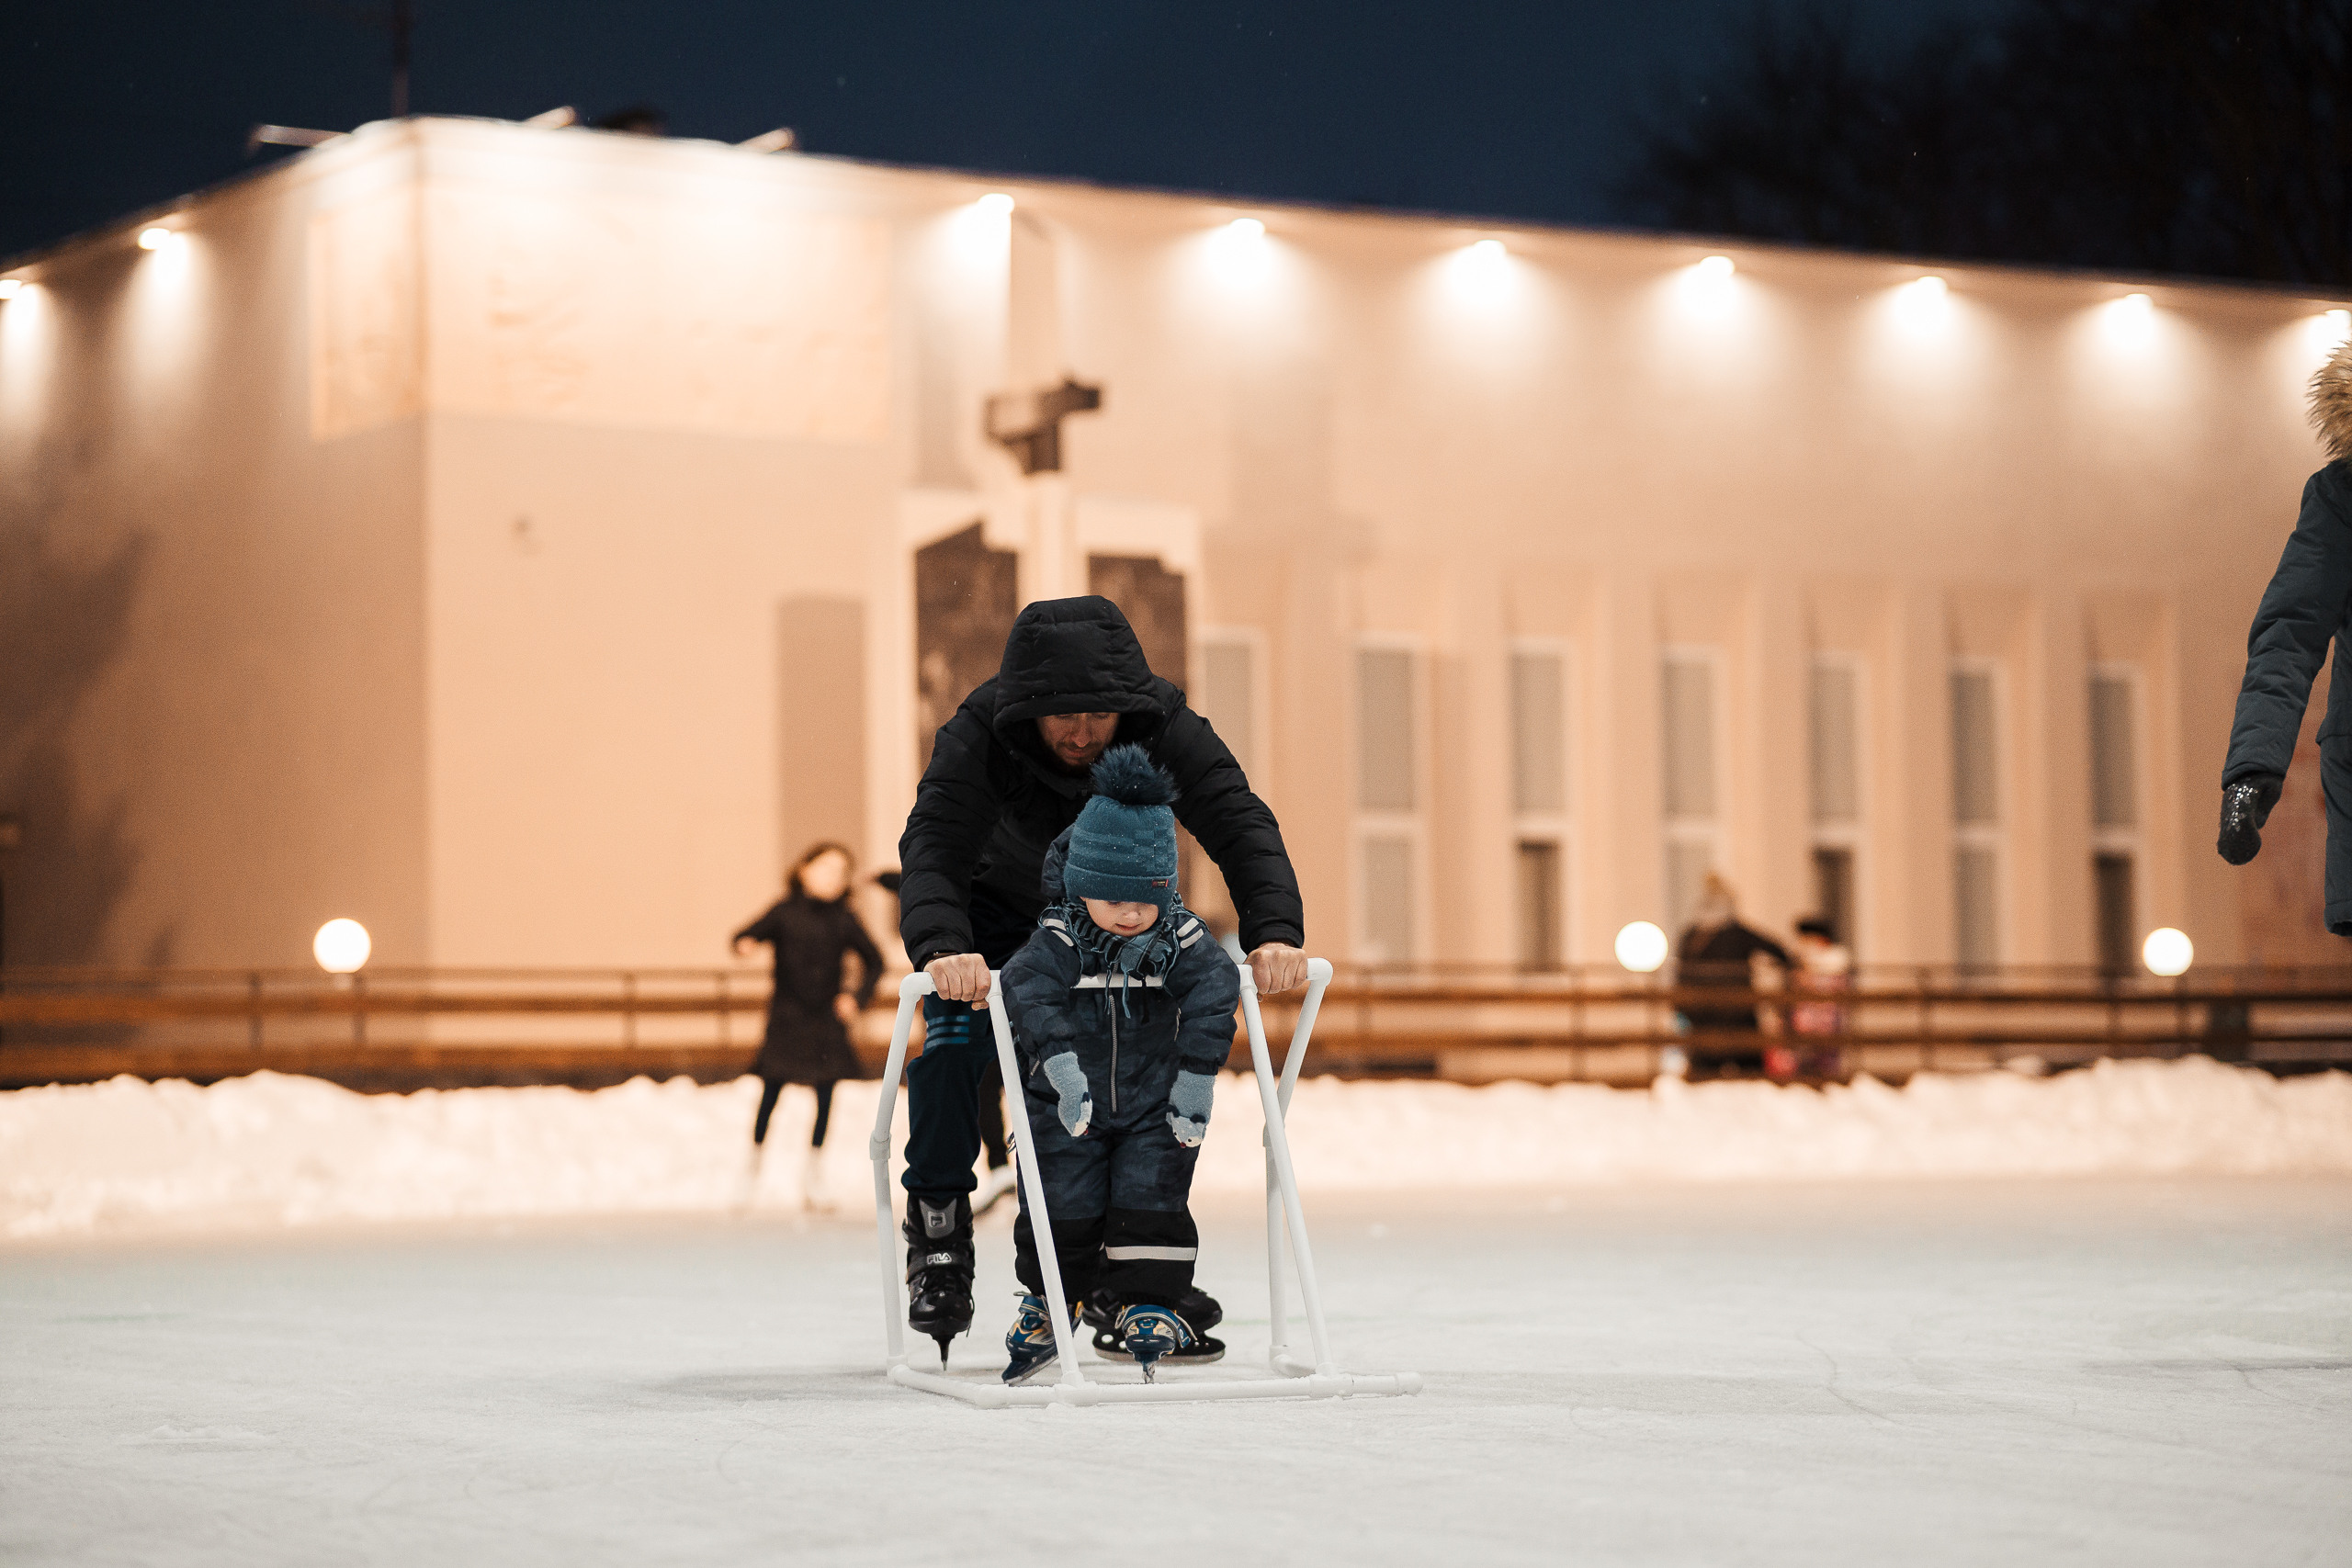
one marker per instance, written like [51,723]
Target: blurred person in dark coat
[1717,951]
[2308,603]
[809,1013]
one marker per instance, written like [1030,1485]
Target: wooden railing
[398,1028]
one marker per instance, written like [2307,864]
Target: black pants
[958,1062]
[768,1094]
[1117,1198]
[992,1117]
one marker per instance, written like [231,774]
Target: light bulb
[1716,269]
[342,946]
[2167,953]
[1641,947]
[155,238]
[996,204]
[1245,229]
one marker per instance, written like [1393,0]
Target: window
[1385,730]
[1688,740]
[2112,890]
[1388,803]
[1834,725]
[1975,892]
[1226,694]
[1225,691]
[1976,816]
[1834,749]
[1539,741]
[1539,694]
[2115,814]
[1833,889]
[1539,904]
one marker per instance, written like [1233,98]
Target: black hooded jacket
[994,799]
[2308,605]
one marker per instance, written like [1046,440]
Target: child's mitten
[1069,1081]
[1188,1107]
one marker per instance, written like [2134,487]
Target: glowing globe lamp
[342,947]
[2167,953]
[1641,947]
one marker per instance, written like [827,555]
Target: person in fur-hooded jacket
[2308,601]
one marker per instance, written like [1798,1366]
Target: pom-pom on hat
[1122,847]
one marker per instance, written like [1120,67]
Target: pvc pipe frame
[1322,1379]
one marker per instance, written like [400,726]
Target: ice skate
[812,1182]
[1153,1335]
[1029,1343]
[1199,1310]
[994,1187]
[939,1269]
[749,1186]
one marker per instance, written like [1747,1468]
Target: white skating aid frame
[1322,1379]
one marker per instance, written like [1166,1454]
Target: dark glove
[2246,806]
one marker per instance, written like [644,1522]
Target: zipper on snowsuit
[1114,1050]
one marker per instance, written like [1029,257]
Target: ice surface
[2144,1371]
[270,1150]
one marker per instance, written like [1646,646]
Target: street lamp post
[342,947]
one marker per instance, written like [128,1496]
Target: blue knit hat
[1122,847]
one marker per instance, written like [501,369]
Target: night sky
[1507,111]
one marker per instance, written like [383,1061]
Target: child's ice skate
[1153,1335]
[1029,1343]
[1199,1310]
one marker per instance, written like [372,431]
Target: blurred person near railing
[811,929]
[1719,953]
[1825,966]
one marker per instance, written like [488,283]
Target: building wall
[213,727]
[537,433]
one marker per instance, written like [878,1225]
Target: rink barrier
[391,1028]
[1286,1221]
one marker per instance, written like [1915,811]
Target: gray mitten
[1069,1079]
[1188,1107]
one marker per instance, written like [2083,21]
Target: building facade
[524,541]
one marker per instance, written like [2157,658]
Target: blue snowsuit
[1117,1194]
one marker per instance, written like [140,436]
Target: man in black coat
[2308,602]
[1009,772]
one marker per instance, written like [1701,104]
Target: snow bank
[269,1150]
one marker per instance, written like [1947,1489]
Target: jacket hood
[1073,656]
[2332,403]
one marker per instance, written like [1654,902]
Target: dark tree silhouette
[2199,137]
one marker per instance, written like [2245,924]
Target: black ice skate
[1199,1310]
[939,1269]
